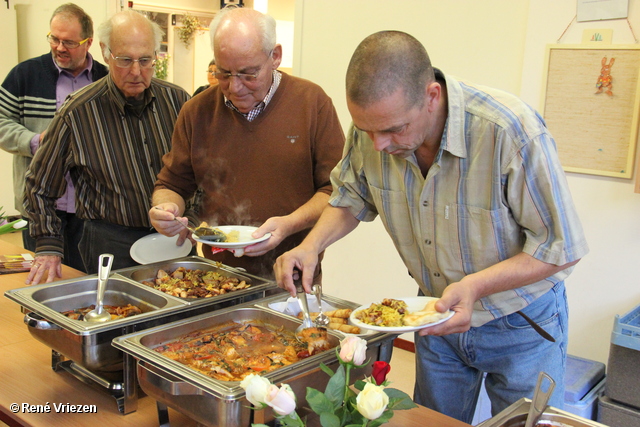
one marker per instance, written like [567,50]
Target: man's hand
[279,229]
[288,266]
[459,298]
[49,264]
[163,218]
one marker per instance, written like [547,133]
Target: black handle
[544,334]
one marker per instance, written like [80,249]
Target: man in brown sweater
[255,150]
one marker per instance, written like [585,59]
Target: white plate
[413,304]
[156,247]
[244,239]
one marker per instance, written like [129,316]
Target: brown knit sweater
[251,171]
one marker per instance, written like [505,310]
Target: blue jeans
[449,369]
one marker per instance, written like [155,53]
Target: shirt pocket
[482,237]
[394,211]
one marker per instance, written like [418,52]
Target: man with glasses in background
[257,148]
[111,137]
[29,97]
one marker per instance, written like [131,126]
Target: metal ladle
[540,399]
[99,314]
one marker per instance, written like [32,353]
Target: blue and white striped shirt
[496,188]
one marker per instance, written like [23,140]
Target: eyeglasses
[244,77]
[69,44]
[126,62]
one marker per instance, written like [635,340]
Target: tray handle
[35,321]
[164,381]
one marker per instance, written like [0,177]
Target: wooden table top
[26,378]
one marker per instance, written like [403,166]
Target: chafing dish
[223,403]
[516,416]
[88,345]
[259,286]
[84,342]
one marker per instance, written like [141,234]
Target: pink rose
[282,399]
[353,349]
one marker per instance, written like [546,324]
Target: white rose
[282,400]
[353,349]
[372,401]
[256,388]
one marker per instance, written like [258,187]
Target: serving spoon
[99,314]
[321,320]
[210,234]
[306,318]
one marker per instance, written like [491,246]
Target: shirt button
[427,241]
[436,274]
[425,203]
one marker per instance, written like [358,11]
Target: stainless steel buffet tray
[148,273]
[89,344]
[223,403]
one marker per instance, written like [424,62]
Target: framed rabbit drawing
[591,106]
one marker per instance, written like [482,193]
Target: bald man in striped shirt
[111,137]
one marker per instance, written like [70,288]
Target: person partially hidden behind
[211,77]
[111,136]
[467,182]
[29,97]
[258,147]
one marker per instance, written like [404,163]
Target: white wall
[467,38]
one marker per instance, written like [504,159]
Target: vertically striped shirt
[496,188]
[113,152]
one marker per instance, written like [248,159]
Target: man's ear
[277,56]
[103,49]
[433,92]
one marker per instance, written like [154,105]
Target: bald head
[131,25]
[385,62]
[244,29]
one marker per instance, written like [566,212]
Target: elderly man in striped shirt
[111,137]
[467,181]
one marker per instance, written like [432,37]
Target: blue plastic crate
[626,330]
[587,407]
[581,376]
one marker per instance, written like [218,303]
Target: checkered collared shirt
[262,104]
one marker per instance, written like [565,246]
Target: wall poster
[591,104]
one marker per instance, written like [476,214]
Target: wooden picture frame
[596,132]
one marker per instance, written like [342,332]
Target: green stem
[346,381]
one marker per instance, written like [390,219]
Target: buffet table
[28,380]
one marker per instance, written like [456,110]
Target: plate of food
[156,247]
[235,237]
[397,316]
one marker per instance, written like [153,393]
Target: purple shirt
[67,84]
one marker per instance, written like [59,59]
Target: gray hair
[106,28]
[265,24]
[70,10]
[385,62]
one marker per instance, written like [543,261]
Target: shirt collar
[121,101]
[453,135]
[87,68]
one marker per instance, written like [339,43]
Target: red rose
[380,371]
